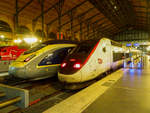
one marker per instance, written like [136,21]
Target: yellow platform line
[80,101]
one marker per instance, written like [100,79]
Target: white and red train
[91,58]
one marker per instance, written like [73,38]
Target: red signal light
[77,66]
[63,64]
[72,60]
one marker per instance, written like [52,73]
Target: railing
[13,96]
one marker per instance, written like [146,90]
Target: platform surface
[123,91]
[130,94]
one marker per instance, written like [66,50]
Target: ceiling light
[18,41]
[30,40]
[2,36]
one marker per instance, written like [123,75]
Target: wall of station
[132,35]
[25,22]
[22,22]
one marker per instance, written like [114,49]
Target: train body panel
[99,62]
[73,78]
[40,63]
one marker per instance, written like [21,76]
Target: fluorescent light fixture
[148,48]
[2,36]
[30,40]
[18,41]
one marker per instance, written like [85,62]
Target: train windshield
[35,48]
[84,47]
[56,57]
[44,44]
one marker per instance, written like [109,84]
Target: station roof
[109,16]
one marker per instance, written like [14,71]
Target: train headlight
[29,58]
[63,64]
[77,66]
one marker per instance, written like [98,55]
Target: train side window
[104,49]
[55,57]
[4,50]
[46,60]
[117,56]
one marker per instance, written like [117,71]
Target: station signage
[136,44]
[128,44]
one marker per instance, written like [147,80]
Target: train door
[104,56]
[108,55]
[92,66]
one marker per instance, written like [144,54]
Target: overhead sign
[136,44]
[128,44]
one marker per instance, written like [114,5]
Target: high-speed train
[41,61]
[91,58]
[10,52]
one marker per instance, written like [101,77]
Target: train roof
[90,41]
[59,42]
[94,41]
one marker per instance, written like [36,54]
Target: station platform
[124,91]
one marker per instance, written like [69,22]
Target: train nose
[16,72]
[72,64]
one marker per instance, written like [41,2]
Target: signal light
[77,66]
[72,60]
[63,65]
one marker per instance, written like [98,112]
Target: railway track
[39,92]
[43,94]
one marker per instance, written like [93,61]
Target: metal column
[16,16]
[71,22]
[80,22]
[18,11]
[88,28]
[59,12]
[42,12]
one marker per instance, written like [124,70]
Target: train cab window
[104,49]
[56,57]
[4,50]
[84,47]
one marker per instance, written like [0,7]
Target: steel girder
[67,12]
[116,14]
